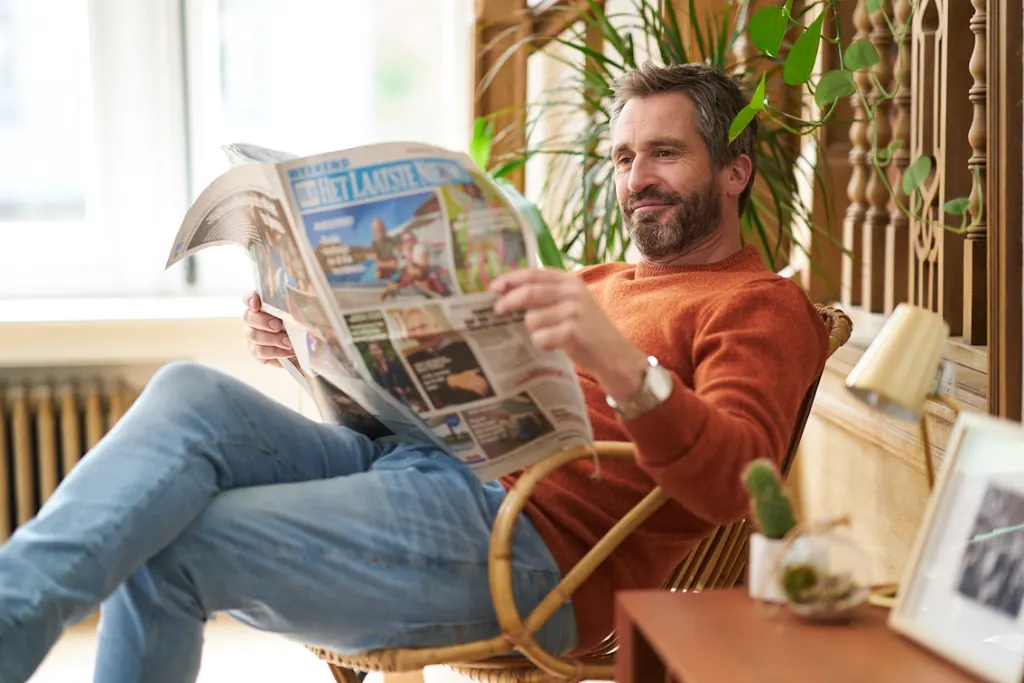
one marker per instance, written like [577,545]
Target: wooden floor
[233,653]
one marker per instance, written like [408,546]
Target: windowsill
[120,330]
[130,337]
[87,310]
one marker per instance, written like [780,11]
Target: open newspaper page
[409,237]
[398,244]
[246,208]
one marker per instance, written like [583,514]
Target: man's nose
[641,176]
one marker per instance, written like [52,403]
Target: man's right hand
[268,341]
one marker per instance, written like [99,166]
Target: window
[311,76]
[43,105]
[112,115]
[92,149]
[44,121]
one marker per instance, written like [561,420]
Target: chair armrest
[500,557]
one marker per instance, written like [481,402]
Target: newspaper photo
[378,259]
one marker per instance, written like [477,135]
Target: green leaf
[696,26]
[833,85]
[757,99]
[747,114]
[861,54]
[916,174]
[548,251]
[874,5]
[957,206]
[672,32]
[507,168]
[742,120]
[804,53]
[480,143]
[768,28]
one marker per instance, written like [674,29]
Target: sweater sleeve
[755,357]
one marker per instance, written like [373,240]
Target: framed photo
[962,590]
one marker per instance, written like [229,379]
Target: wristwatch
[656,389]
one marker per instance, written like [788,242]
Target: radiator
[46,427]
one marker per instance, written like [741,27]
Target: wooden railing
[939,110]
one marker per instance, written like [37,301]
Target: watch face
[660,384]
[656,389]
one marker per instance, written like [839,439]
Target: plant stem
[839,32]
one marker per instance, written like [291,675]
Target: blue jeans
[209,497]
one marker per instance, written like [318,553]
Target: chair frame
[717,561]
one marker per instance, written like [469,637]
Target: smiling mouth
[649,205]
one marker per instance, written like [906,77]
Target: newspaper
[378,260]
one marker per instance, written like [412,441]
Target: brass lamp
[903,369]
[897,375]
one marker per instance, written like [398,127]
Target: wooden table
[724,636]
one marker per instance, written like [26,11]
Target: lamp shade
[898,371]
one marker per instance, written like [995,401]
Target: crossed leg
[208,497]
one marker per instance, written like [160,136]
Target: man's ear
[737,175]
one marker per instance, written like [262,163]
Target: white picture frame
[962,590]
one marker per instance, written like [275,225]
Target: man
[384,250]
[447,368]
[209,498]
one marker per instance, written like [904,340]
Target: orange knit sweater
[743,345]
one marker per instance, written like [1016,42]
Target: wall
[854,461]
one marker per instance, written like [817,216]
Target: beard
[689,220]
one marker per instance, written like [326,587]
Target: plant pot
[762,580]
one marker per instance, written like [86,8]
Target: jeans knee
[183,378]
[184,391]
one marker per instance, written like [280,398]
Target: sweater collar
[746,259]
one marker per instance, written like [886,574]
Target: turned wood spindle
[897,238]
[975,247]
[880,133]
[850,285]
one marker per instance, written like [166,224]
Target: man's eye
[623,161]
[664,153]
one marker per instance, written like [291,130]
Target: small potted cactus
[773,517]
[818,573]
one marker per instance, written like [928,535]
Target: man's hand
[267,339]
[562,314]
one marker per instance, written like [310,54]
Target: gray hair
[717,100]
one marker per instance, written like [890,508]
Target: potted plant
[772,514]
[818,27]
[578,195]
[818,573]
[783,42]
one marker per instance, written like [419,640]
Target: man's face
[420,327]
[379,230]
[669,197]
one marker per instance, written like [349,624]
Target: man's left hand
[562,314]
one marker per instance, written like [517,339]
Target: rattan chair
[717,561]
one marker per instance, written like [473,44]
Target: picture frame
[962,590]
